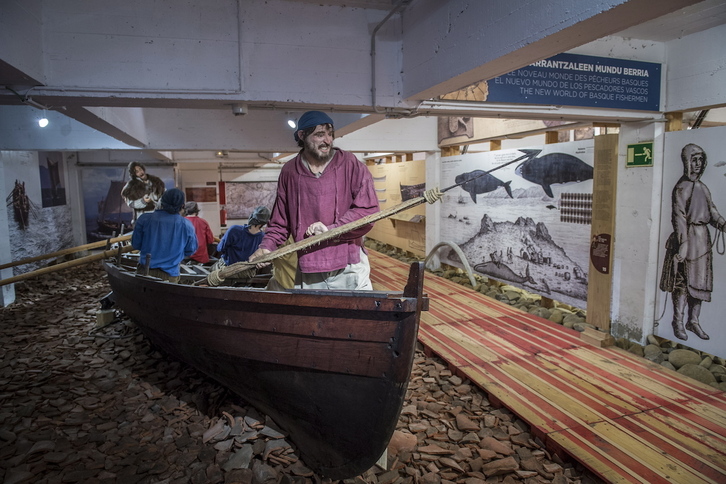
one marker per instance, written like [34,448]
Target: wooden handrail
[70,250]
[66,265]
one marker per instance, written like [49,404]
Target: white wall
[635,247]
[393,135]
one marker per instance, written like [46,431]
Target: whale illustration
[504,272]
[552,168]
[481,182]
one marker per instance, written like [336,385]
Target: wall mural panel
[33,229]
[692,268]
[528,222]
[244,197]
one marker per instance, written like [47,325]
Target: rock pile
[80,403]
[699,365]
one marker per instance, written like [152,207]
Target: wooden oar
[431,196]
[66,265]
[71,250]
[216,277]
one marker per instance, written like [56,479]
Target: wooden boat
[330,367]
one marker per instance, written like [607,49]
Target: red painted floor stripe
[606,459]
[680,447]
[626,419]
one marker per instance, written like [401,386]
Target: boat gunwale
[380,300]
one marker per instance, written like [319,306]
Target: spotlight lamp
[43,121]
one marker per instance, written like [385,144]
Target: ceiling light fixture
[31,102]
[221,154]
[239,109]
[292,122]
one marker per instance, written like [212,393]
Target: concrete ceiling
[686,21]
[245,137]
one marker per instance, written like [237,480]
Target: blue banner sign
[581,80]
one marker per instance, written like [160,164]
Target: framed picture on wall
[243,197]
[52,185]
[201,194]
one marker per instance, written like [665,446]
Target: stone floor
[99,405]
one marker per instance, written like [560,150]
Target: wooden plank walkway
[625,418]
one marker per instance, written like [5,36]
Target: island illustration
[524,254]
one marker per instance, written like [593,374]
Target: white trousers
[353,276]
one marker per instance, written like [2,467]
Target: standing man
[142,191]
[203,231]
[166,235]
[320,189]
[688,268]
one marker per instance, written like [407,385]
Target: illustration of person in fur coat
[143,191]
[688,266]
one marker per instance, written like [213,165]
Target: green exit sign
[640,154]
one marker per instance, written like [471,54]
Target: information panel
[581,80]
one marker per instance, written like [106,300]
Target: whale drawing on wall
[481,182]
[553,168]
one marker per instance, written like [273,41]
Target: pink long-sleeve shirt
[342,194]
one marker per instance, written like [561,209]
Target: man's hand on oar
[258,254]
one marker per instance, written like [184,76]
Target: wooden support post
[552,137]
[674,121]
[597,338]
[599,280]
[610,128]
[450,151]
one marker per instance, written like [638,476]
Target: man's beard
[312,152]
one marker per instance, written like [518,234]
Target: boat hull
[330,367]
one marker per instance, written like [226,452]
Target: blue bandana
[311,119]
